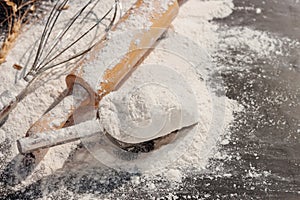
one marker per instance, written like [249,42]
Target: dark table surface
[266,134]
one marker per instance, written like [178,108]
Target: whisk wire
[62,34]
[45,67]
[39,67]
[44,39]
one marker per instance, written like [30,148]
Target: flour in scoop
[153,102]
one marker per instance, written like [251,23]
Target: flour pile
[152,103]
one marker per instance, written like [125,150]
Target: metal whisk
[45,60]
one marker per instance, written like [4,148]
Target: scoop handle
[56,137]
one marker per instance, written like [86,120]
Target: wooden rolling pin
[157,15]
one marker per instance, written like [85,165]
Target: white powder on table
[192,22]
[174,175]
[203,140]
[36,103]
[194,146]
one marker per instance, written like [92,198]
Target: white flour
[215,112]
[139,111]
[153,102]
[28,112]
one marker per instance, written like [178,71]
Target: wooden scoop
[160,18]
[121,115]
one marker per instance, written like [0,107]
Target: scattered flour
[215,112]
[174,175]
[193,146]
[202,141]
